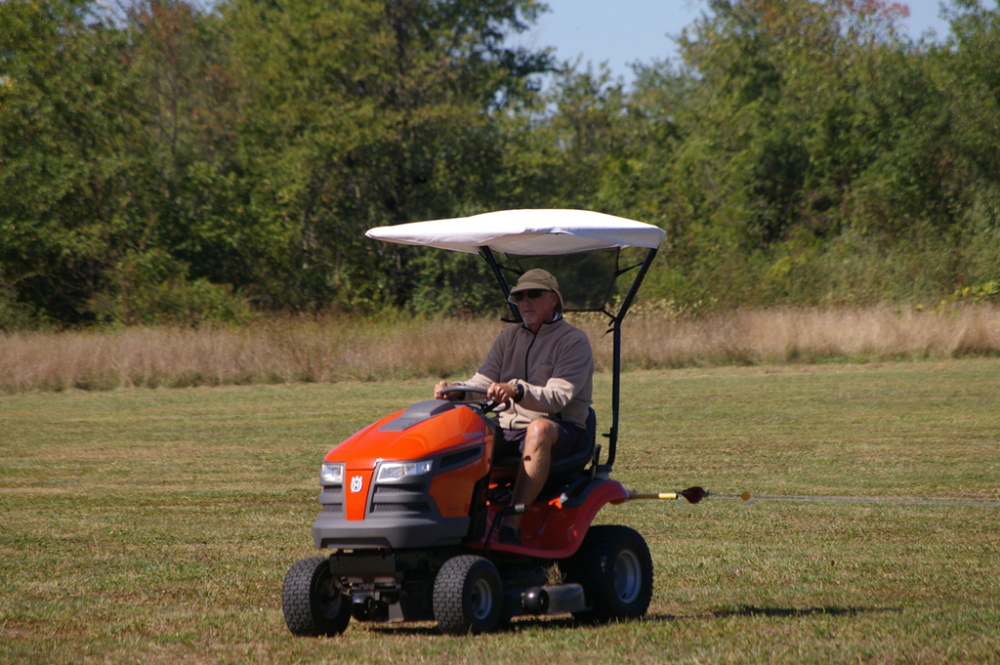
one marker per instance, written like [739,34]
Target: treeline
[165,162]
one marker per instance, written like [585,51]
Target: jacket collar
[556,319]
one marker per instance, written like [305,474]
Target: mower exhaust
[553,599]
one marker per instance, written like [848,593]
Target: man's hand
[501,392]
[441,385]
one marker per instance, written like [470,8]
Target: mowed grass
[155,526]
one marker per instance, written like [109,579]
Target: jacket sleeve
[574,365]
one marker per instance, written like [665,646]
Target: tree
[783,116]
[366,113]
[65,99]
[968,69]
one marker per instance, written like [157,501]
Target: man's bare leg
[535,464]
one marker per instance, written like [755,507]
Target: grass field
[155,526]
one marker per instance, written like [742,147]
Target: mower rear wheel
[616,571]
[312,604]
[468,595]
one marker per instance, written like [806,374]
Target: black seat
[562,468]
[573,464]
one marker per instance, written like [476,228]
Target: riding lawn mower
[411,504]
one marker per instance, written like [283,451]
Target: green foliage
[179,300]
[453,284]
[817,157]
[367,113]
[802,152]
[65,98]
[977,293]
[254,145]
[193,184]
[154,288]
[14,315]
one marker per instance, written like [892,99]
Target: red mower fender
[555,531]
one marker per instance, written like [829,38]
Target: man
[545,368]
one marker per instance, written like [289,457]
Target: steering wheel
[485,404]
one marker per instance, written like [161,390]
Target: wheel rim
[330,598]
[628,576]
[481,599]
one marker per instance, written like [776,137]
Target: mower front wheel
[312,603]
[615,569]
[468,595]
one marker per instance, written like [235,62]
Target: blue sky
[625,31]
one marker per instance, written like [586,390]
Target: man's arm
[476,380]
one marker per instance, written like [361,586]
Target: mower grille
[416,507]
[396,489]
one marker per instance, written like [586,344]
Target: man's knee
[541,432]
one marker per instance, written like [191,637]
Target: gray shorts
[572,439]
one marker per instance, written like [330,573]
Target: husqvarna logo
[356,483]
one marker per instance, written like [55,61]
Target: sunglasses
[531,294]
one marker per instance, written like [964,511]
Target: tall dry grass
[811,335]
[335,349]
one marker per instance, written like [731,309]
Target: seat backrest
[575,463]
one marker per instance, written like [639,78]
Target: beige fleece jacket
[555,366]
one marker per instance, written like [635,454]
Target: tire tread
[300,606]
[450,609]
[592,567]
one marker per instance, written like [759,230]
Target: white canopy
[526,232]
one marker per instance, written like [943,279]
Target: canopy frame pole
[487,254]
[616,365]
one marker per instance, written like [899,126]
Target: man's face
[536,310]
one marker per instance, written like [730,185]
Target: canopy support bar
[487,254]
[616,327]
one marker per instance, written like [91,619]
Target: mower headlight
[331,473]
[399,471]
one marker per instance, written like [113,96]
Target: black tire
[313,606]
[616,571]
[468,595]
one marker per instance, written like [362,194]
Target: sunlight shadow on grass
[516,625]
[567,623]
[829,610]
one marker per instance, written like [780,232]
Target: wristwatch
[519,392]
